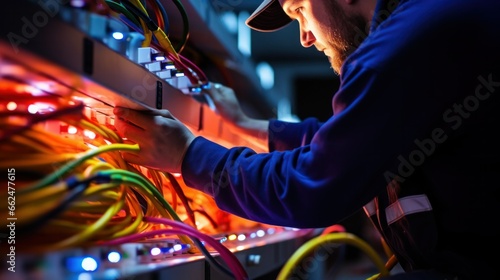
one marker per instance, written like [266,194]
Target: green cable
[118,7]
[138,180]
[57,175]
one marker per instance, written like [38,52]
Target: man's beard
[345,34]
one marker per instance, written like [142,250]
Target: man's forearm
[256,129]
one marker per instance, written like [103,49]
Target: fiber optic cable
[72,164]
[337,237]
[177,188]
[152,27]
[148,35]
[103,210]
[76,188]
[230,259]
[132,178]
[166,23]
[191,70]
[185,25]
[90,230]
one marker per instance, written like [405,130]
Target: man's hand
[228,107]
[226,104]
[163,140]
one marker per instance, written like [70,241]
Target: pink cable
[183,229]
[195,67]
[224,252]
[333,228]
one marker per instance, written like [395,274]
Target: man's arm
[229,109]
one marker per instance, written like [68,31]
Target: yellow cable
[134,226]
[165,42]
[32,143]
[37,160]
[40,195]
[148,35]
[337,237]
[92,229]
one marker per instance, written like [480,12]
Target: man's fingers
[132,158]
[142,119]
[213,89]
[127,129]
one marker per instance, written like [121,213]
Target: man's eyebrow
[291,3]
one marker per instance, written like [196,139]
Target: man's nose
[307,38]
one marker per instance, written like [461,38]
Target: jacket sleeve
[287,136]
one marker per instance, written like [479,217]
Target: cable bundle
[80,194]
[155,30]
[76,190]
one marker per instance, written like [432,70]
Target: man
[413,139]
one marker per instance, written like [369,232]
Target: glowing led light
[33,90]
[169,66]
[114,257]
[155,251]
[244,34]
[239,248]
[89,264]
[232,237]
[89,134]
[117,35]
[78,3]
[33,109]
[271,230]
[93,147]
[177,247]
[169,250]
[241,237]
[266,75]
[43,107]
[253,235]
[261,233]
[160,58]
[11,106]
[72,130]
[84,276]
[44,86]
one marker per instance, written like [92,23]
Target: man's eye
[298,10]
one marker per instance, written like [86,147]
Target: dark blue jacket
[415,137]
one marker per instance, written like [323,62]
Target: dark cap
[269,16]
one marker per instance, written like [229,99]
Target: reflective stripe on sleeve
[370,208]
[405,206]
